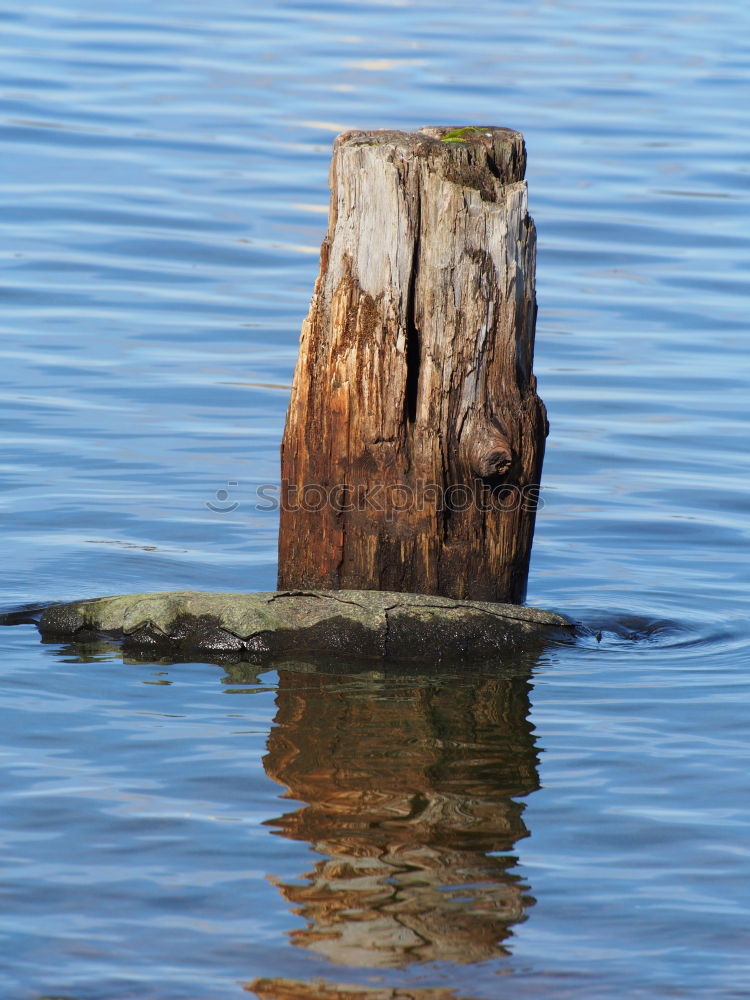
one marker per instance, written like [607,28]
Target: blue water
[575,824]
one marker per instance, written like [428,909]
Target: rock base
[368,624]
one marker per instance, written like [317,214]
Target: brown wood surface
[414,439]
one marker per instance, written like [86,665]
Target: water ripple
[163,198]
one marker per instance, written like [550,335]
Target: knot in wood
[488,453]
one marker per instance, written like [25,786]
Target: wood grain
[414,438]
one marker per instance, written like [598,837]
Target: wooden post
[414,439]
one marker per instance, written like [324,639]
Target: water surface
[571,824]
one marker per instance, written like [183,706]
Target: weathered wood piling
[413,446]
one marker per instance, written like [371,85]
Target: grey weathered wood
[413,395]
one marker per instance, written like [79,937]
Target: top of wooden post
[484,157]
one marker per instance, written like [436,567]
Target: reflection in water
[289,989]
[409,785]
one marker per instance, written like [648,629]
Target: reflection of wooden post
[410,795]
[290,989]
[414,439]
